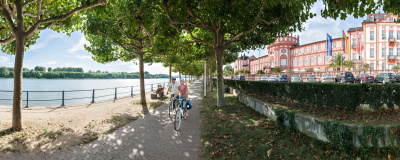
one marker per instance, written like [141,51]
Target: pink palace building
[379,45]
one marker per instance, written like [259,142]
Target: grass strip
[238,132]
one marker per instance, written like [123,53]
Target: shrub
[343,96]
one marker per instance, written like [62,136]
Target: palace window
[312,60]
[398,34]
[319,59]
[305,61]
[371,35]
[319,47]
[372,66]
[299,62]
[398,51]
[383,33]
[383,52]
[326,59]
[371,53]
[334,44]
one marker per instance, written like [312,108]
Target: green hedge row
[343,96]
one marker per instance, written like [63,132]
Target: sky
[315,29]
[54,49]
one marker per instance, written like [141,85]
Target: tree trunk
[141,75]
[170,73]
[211,80]
[179,74]
[17,97]
[219,53]
[185,77]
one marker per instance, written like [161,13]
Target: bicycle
[172,104]
[179,115]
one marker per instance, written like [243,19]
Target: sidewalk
[150,137]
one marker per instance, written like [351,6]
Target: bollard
[152,87]
[132,91]
[115,93]
[27,98]
[62,99]
[93,96]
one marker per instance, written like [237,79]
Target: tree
[228,70]
[337,61]
[243,24]
[395,68]
[124,30]
[237,73]
[260,72]
[241,71]
[21,23]
[247,72]
[309,70]
[278,70]
[349,64]
[39,68]
[49,69]
[4,72]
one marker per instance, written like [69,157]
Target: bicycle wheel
[171,109]
[178,119]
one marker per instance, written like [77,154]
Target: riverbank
[56,127]
[49,128]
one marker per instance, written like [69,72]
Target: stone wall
[361,135]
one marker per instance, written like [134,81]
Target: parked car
[273,79]
[365,78]
[385,78]
[296,78]
[327,78]
[398,78]
[311,78]
[283,78]
[264,78]
[240,78]
[345,77]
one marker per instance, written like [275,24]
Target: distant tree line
[74,73]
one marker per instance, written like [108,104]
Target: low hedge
[343,96]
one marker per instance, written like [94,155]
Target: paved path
[150,137]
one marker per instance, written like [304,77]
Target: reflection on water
[75,90]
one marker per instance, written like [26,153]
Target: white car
[264,78]
[327,78]
[273,79]
[296,78]
[311,78]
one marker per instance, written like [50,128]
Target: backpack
[189,104]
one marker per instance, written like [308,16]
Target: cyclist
[173,87]
[183,94]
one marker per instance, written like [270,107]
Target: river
[75,90]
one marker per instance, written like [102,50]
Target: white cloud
[79,45]
[84,57]
[4,59]
[43,44]
[50,63]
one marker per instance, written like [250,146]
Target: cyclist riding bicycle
[183,95]
[173,87]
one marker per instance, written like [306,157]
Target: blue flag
[328,45]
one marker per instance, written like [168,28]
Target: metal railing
[115,93]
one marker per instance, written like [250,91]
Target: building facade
[379,47]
